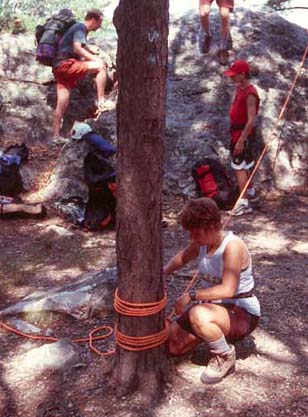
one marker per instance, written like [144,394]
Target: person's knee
[199,317]
[204,10]
[224,14]
[204,13]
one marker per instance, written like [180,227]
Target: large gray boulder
[89,294]
[199,96]
[68,178]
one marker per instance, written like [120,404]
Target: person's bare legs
[63,93]
[204,12]
[63,99]
[101,79]
[205,40]
[209,321]
[223,54]
[100,70]
[225,24]
[242,177]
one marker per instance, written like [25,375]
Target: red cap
[237,68]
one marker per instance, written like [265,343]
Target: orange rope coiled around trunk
[138,309]
[139,343]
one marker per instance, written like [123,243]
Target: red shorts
[229,4]
[242,323]
[69,72]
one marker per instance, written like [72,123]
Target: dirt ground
[271,372]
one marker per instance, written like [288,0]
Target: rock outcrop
[199,96]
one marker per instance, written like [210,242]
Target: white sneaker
[219,366]
[242,207]
[58,141]
[105,105]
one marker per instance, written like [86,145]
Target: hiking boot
[219,366]
[205,43]
[241,208]
[223,56]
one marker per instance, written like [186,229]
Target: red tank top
[238,110]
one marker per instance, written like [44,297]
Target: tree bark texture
[142,27]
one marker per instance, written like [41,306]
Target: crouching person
[224,309]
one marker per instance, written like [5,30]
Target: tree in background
[142,27]
[29,10]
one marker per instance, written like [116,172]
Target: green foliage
[33,12]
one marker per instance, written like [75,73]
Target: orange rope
[89,339]
[126,308]
[272,137]
[191,283]
[138,309]
[139,343]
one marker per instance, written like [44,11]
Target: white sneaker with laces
[219,366]
[105,105]
[241,208]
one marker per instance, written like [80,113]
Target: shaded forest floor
[272,364]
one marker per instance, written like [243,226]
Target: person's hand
[95,50]
[181,303]
[239,147]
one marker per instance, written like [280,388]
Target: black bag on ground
[212,181]
[49,35]
[101,179]
[10,160]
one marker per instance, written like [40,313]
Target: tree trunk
[142,27]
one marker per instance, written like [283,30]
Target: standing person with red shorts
[223,308]
[225,6]
[243,112]
[73,61]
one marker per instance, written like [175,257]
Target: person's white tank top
[211,270]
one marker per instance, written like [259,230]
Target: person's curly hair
[201,212]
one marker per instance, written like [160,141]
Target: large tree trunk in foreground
[142,27]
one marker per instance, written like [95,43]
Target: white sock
[219,346]
[251,192]
[243,201]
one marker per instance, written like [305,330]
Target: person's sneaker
[58,141]
[219,366]
[205,43]
[223,56]
[105,105]
[241,208]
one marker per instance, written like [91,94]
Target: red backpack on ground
[212,181]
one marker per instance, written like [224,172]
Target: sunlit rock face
[199,96]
